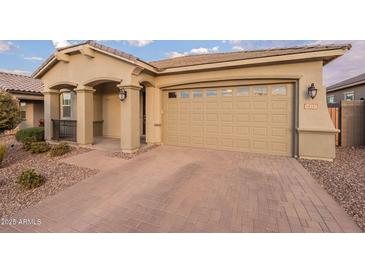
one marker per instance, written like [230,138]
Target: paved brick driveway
[172,189]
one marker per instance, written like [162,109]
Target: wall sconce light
[122,94]
[312,91]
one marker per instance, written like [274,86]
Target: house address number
[310,106]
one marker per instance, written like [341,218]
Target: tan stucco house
[28,91]
[255,101]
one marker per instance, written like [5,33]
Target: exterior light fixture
[312,91]
[122,94]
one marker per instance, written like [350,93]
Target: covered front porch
[111,144]
[97,115]
[94,95]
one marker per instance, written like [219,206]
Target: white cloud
[236,45]
[234,42]
[204,50]
[238,48]
[16,71]
[351,64]
[6,46]
[33,58]
[174,54]
[60,43]
[200,50]
[139,43]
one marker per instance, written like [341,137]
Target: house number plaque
[310,106]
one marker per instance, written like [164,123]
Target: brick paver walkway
[173,189]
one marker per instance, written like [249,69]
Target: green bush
[30,179]
[28,141]
[60,149]
[2,152]
[39,147]
[9,112]
[36,132]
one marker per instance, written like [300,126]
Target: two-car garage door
[256,118]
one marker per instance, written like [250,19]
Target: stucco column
[51,111]
[153,107]
[158,115]
[85,115]
[130,122]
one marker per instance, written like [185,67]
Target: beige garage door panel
[251,118]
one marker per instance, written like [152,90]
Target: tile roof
[107,49]
[20,83]
[352,82]
[191,60]
[97,46]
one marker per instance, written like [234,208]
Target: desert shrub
[9,112]
[30,179]
[39,147]
[60,149]
[36,132]
[27,142]
[2,152]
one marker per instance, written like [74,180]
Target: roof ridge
[348,81]
[16,74]
[320,46]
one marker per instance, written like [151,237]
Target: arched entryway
[106,113]
[97,115]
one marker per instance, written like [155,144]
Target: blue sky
[25,56]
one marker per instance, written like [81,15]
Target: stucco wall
[38,110]
[29,121]
[111,111]
[98,104]
[83,70]
[34,112]
[314,123]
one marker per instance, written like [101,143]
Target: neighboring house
[350,89]
[254,101]
[28,91]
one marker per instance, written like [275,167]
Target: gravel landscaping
[58,176]
[344,180]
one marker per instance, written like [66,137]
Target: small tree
[9,112]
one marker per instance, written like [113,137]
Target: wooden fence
[335,114]
[349,118]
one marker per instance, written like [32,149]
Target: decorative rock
[58,176]
[344,180]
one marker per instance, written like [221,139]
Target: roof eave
[329,54]
[40,71]
[346,86]
[27,92]
[138,61]
[52,59]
